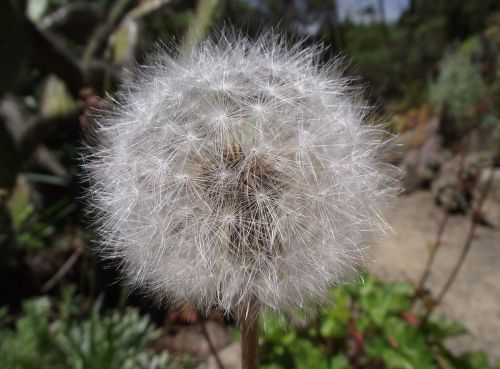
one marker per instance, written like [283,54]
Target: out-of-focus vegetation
[370,325]
[78,339]
[434,70]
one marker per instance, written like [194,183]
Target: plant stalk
[432,255]
[203,18]
[474,221]
[419,290]
[249,328]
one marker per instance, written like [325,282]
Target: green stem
[202,19]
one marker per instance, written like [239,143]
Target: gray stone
[191,339]
[218,334]
[491,206]
[422,156]
[230,358]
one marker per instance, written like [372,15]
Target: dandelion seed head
[243,171]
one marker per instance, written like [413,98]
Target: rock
[218,334]
[491,205]
[420,164]
[456,193]
[230,358]
[191,340]
[423,155]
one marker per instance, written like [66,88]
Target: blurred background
[431,291]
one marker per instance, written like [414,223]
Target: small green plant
[36,229]
[466,88]
[370,326]
[459,84]
[99,341]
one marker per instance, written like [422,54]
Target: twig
[440,232]
[46,159]
[100,37]
[432,255]
[68,264]
[211,346]
[40,127]
[51,55]
[474,221]
[146,7]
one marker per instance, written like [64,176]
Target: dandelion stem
[249,329]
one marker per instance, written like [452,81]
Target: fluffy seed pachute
[243,172]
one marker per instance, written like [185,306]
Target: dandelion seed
[245,172]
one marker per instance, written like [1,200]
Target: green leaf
[307,355]
[409,342]
[441,328]
[363,323]
[111,341]
[339,361]
[475,360]
[375,347]
[335,318]
[36,9]
[395,360]
[382,301]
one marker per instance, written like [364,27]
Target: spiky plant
[239,176]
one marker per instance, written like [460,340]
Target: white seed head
[242,172]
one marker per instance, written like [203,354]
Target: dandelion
[240,176]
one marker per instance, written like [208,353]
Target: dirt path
[474,299]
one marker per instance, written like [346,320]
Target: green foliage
[98,341]
[467,87]
[459,84]
[35,229]
[369,324]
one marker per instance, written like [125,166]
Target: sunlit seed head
[245,171]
